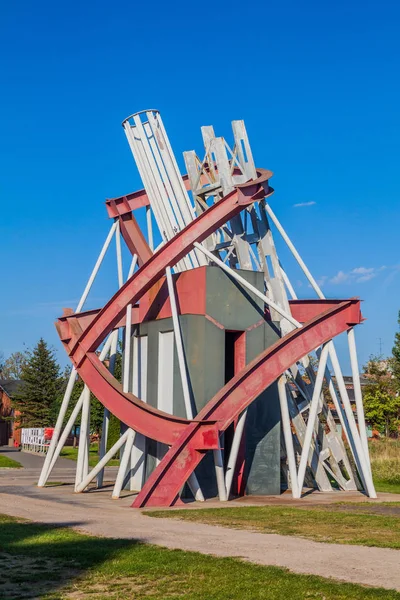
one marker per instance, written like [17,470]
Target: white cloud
[301,204]
[322,280]
[340,277]
[363,270]
[360,274]
[366,277]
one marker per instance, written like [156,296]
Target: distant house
[9,432]
[348,381]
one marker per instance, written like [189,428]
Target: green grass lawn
[72,453]
[360,524]
[9,463]
[382,485]
[385,461]
[39,561]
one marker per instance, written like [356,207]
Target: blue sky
[316,83]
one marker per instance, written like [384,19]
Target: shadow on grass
[37,560]
[54,562]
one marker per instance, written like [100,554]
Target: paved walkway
[96,513]
[29,460]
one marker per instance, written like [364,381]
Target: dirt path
[97,514]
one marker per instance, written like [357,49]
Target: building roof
[11,386]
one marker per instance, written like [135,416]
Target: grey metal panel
[204,345]
[156,451]
[229,303]
[263,431]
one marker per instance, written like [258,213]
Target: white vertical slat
[139,388]
[165,391]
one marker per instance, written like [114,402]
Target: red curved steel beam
[82,344]
[163,485]
[190,439]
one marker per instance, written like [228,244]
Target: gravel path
[97,514]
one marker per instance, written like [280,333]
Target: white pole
[219,471]
[357,392]
[312,417]
[83,438]
[125,460]
[287,434]
[119,256]
[179,345]
[133,265]
[96,267]
[363,462]
[353,433]
[103,443]
[57,429]
[65,433]
[113,356]
[149,227]
[127,451]
[288,283]
[102,463]
[237,438]
[297,256]
[71,382]
[70,422]
[127,349]
[112,342]
[192,481]
[248,285]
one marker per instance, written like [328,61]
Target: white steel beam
[57,429]
[243,149]
[357,392]
[72,378]
[192,481]
[363,465]
[179,346]
[248,285]
[312,418]
[219,471]
[232,460]
[124,462]
[149,228]
[288,436]
[83,449]
[96,267]
[113,356]
[106,416]
[352,432]
[103,462]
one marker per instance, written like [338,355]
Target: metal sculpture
[218,214]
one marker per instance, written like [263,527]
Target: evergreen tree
[41,387]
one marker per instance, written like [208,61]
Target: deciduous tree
[11,368]
[381,402]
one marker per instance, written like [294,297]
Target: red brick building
[9,433]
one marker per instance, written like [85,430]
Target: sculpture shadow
[37,560]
